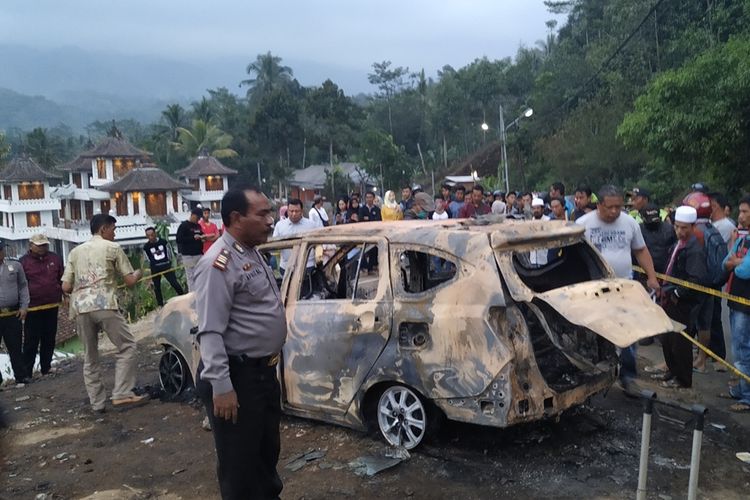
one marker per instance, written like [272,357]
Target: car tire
[174,374]
[402,416]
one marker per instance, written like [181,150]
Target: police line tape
[45,307]
[699,288]
[709,291]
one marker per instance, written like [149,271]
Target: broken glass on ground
[301,460]
[369,465]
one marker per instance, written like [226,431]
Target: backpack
[716,252]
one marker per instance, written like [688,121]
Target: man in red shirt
[44,270]
[210,230]
[475,206]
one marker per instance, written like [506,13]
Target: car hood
[619,310]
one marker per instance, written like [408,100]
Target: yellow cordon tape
[709,291]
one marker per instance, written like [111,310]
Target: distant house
[26,204]
[208,179]
[307,182]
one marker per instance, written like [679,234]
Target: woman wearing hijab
[391,210]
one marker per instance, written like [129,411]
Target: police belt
[8,309]
[247,361]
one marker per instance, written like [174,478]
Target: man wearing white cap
[44,270]
[537,209]
[687,262]
[618,237]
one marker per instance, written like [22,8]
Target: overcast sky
[344,37]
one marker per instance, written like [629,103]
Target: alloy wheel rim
[401,417]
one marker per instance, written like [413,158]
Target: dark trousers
[171,278]
[717,344]
[677,350]
[248,451]
[39,336]
[10,334]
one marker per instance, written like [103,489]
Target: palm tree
[204,138]
[203,110]
[174,117]
[269,75]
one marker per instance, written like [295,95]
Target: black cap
[641,192]
[197,211]
[650,214]
[699,187]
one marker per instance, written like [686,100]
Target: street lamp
[526,113]
[485,128]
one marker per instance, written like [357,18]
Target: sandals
[673,384]
[655,369]
[740,408]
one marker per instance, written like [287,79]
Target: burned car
[399,324]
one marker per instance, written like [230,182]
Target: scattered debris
[744,456]
[720,427]
[370,465]
[147,441]
[299,461]
[669,462]
[22,398]
[178,471]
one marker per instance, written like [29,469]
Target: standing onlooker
[295,223]
[317,213]
[510,203]
[617,236]
[391,210]
[210,230]
[719,218]
[498,206]
[583,201]
[557,209]
[726,228]
[91,279]
[421,209]
[687,262]
[190,244]
[342,212]
[159,254]
[14,302]
[640,198]
[406,198]
[738,264]
[369,211]
[458,201]
[557,190]
[475,206]
[537,209]
[446,194]
[241,329]
[353,210]
[658,235]
[440,213]
[44,270]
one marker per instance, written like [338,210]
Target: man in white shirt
[618,237]
[295,223]
[317,213]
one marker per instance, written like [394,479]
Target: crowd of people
[695,241]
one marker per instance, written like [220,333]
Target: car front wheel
[174,374]
[402,417]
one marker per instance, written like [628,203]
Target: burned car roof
[503,232]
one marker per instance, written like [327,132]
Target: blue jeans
[628,364]
[740,324]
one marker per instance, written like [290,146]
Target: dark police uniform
[14,295]
[242,327]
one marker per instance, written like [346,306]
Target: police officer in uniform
[242,327]
[14,301]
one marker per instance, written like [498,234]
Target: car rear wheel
[174,374]
[402,417]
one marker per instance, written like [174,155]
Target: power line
[604,65]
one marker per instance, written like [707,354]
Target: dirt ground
[56,448]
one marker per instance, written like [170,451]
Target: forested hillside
[647,92]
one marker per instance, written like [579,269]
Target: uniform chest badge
[247,266]
[240,249]
[222,260]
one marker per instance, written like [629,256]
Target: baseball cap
[39,240]
[650,214]
[641,192]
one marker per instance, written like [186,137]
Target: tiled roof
[79,164]
[145,179]
[115,147]
[24,169]
[205,165]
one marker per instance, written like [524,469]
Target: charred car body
[492,323]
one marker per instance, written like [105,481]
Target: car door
[339,321]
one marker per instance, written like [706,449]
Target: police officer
[14,302]
[242,327]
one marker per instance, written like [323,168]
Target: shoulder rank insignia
[221,260]
[238,247]
[247,266]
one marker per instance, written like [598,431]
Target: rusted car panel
[493,323]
